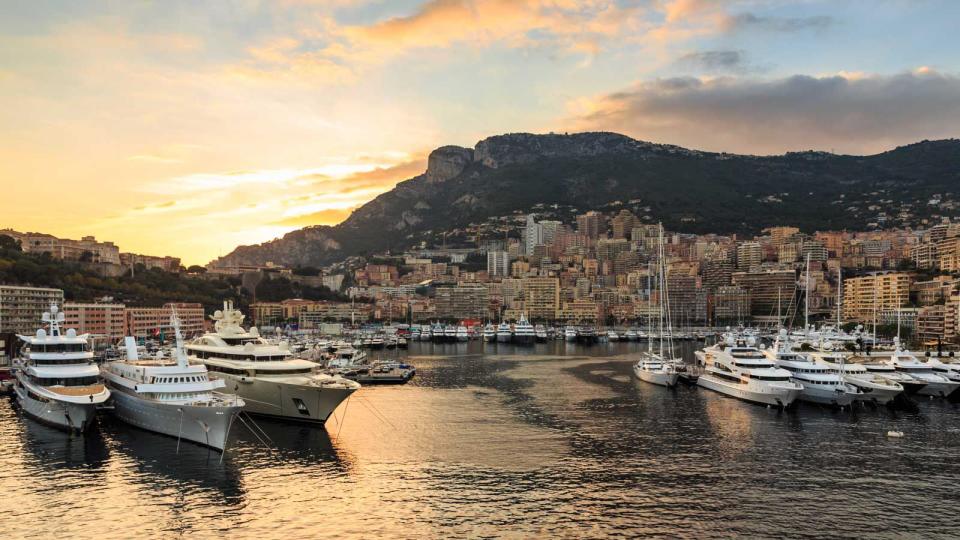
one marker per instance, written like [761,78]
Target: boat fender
[895,434]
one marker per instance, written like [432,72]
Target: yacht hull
[831,398]
[524,340]
[75,417]
[781,398]
[293,402]
[655,377]
[873,392]
[207,426]
[504,338]
[939,389]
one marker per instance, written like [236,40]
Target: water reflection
[490,440]
[48,450]
[190,469]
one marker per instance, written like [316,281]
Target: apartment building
[21,308]
[865,296]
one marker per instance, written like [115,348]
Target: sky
[187,128]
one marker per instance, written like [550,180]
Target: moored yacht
[612,335]
[541,334]
[504,335]
[738,369]
[570,333]
[267,377]
[58,383]
[489,332]
[523,333]
[653,369]
[948,366]
[821,385]
[171,396]
[937,385]
[462,334]
[873,387]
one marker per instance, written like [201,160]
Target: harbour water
[495,440]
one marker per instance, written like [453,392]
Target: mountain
[689,190]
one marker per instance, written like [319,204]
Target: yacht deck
[76,390]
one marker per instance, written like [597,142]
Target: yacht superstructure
[267,377]
[57,382]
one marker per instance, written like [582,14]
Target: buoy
[896,434]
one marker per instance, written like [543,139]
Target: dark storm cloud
[849,113]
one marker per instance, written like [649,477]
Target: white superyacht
[821,385]
[735,367]
[523,332]
[171,396]
[905,362]
[874,387]
[267,377]
[58,382]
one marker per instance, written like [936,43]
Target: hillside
[690,191]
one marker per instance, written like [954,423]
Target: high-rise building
[731,305]
[592,224]
[607,250]
[865,296]
[498,263]
[21,308]
[549,231]
[464,301]
[623,224]
[768,290]
[532,235]
[716,273]
[749,256]
[541,297]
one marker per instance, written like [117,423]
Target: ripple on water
[533,442]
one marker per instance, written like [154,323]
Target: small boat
[612,336]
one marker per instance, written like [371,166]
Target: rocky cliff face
[447,162]
[687,189]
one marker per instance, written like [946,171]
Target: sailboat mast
[806,298]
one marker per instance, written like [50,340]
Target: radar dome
[71,332]
[254,332]
[751,341]
[41,333]
[783,331]
[217,314]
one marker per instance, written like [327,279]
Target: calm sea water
[497,441]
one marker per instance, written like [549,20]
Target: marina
[562,431]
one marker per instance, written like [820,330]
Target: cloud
[724,61]
[748,21]
[862,114]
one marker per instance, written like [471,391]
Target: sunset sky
[187,128]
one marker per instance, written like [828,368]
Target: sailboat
[656,368]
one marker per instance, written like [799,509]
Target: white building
[498,263]
[532,235]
